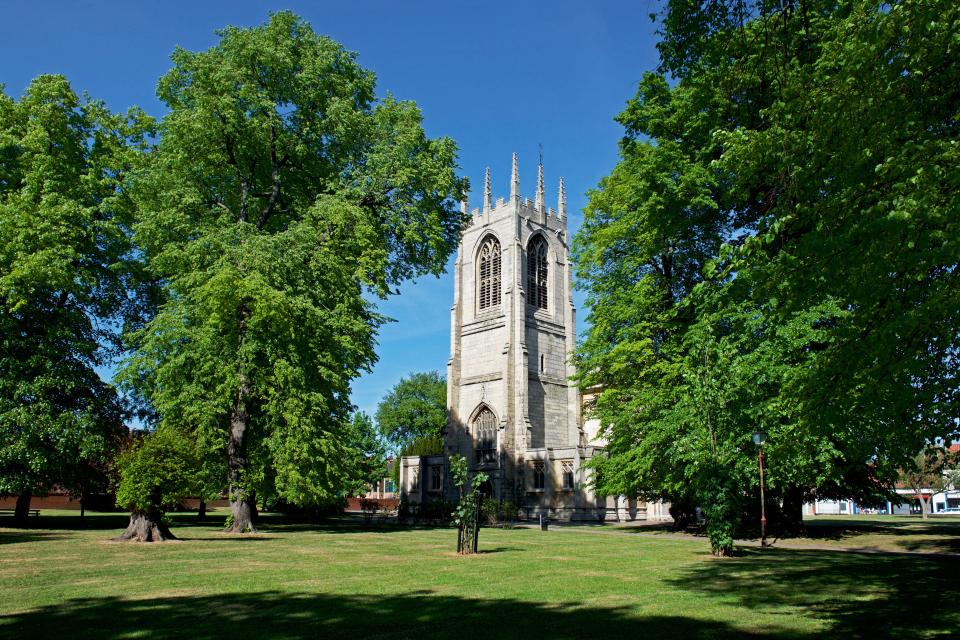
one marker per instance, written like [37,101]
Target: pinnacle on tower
[538,203]
[464,207]
[562,202]
[487,193]
[515,179]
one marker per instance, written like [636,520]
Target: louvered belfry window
[490,274]
[537,273]
[485,431]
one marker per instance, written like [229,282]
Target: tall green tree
[821,137]
[416,407]
[369,454]
[282,191]
[65,267]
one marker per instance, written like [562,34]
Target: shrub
[156,472]
[435,511]
[498,512]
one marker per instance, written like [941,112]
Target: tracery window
[539,479]
[537,272]
[566,468]
[485,432]
[436,478]
[489,280]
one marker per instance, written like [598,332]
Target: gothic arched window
[485,435]
[537,272]
[489,274]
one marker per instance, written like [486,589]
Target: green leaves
[156,471]
[416,407]
[799,180]
[65,264]
[281,196]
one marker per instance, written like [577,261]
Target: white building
[514,412]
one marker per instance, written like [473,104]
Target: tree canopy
[280,194]
[65,267]
[416,407]
[778,247]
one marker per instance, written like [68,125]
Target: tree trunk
[476,520]
[202,510]
[243,507]
[21,513]
[146,526]
[243,511]
[924,507]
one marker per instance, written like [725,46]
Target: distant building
[382,494]
[908,501]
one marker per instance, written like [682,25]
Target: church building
[514,412]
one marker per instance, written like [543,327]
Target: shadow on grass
[23,535]
[272,614]
[876,596]
[663,527]
[910,534]
[834,528]
[70,522]
[186,521]
[948,545]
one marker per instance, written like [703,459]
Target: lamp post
[759,437]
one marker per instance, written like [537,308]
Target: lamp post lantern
[759,437]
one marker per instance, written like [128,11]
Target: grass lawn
[64,579]
[937,534]
[887,533]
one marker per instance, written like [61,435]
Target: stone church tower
[514,413]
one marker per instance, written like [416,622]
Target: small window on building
[566,469]
[537,272]
[488,290]
[541,363]
[388,486]
[436,478]
[538,475]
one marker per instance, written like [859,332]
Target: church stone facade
[514,412]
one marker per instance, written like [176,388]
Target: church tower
[514,413]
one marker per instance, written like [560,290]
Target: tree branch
[275,165]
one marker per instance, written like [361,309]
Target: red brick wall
[383,504]
[53,501]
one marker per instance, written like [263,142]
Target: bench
[33,512]
[696,528]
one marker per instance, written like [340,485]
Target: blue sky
[497,77]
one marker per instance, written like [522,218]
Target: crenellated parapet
[517,205]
